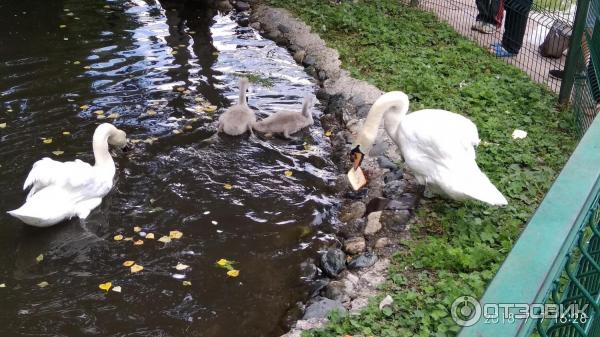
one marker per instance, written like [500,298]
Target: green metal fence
[555,261]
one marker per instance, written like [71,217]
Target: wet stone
[284,29]
[357,195]
[244,21]
[321,307]
[299,56]
[308,269]
[355,245]
[309,61]
[394,189]
[382,242]
[385,163]
[393,175]
[395,220]
[333,262]
[373,223]
[376,204]
[353,211]
[352,228]
[336,290]
[404,202]
[363,261]
[242,6]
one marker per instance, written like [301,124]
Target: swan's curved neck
[391,107]
[100,144]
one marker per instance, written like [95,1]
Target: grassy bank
[456,247]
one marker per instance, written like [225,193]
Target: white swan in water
[437,145]
[60,190]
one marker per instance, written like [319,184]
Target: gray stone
[373,224]
[242,6]
[355,210]
[322,75]
[309,61]
[255,25]
[299,56]
[363,261]
[333,262]
[243,21]
[394,189]
[352,228]
[336,290]
[382,242]
[355,245]
[308,269]
[385,163]
[393,175]
[282,28]
[395,220]
[322,307]
[386,302]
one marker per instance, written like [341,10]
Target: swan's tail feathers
[22,214]
[306,105]
[244,84]
[479,187]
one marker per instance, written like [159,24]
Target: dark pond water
[60,61]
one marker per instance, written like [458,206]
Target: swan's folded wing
[46,172]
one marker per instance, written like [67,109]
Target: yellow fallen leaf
[105,286]
[307,147]
[187,283]
[138,242]
[180,89]
[87,67]
[174,52]
[150,112]
[76,62]
[210,108]
[2,125]
[137,229]
[58,152]
[128,263]
[165,239]
[328,134]
[136,268]
[188,127]
[39,258]
[227,186]
[175,234]
[181,46]
[223,262]
[62,26]
[3,285]
[288,173]
[47,141]
[118,237]
[233,273]
[117,289]
[176,132]
[99,112]
[100,117]
[84,107]
[113,115]
[43,284]
[150,236]
[128,238]
[199,99]
[66,133]
[181,266]
[106,6]
[191,32]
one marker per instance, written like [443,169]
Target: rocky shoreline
[374,221]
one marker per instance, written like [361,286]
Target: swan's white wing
[47,172]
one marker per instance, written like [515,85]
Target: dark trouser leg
[515,24]
[488,11]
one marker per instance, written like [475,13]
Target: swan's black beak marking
[356,156]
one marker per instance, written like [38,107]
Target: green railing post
[574,54]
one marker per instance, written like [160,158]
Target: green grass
[456,247]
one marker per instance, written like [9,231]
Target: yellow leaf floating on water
[39,258]
[3,285]
[165,239]
[136,268]
[150,112]
[128,263]
[328,134]
[233,273]
[188,127]
[87,67]
[47,141]
[99,112]
[58,152]
[137,229]
[175,234]
[66,133]
[62,26]
[113,115]
[105,286]
[187,283]
[117,289]
[223,262]
[150,236]
[199,99]
[227,186]
[43,284]
[210,108]
[288,173]
[2,125]
[181,266]
[100,117]
[176,132]
[118,237]
[138,242]
[128,238]
[76,62]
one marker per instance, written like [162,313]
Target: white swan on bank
[60,190]
[438,146]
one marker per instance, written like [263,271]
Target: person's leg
[517,12]
[487,10]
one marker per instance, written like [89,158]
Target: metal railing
[556,261]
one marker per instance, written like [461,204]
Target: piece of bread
[357,178]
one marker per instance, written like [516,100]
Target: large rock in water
[321,307]
[333,262]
